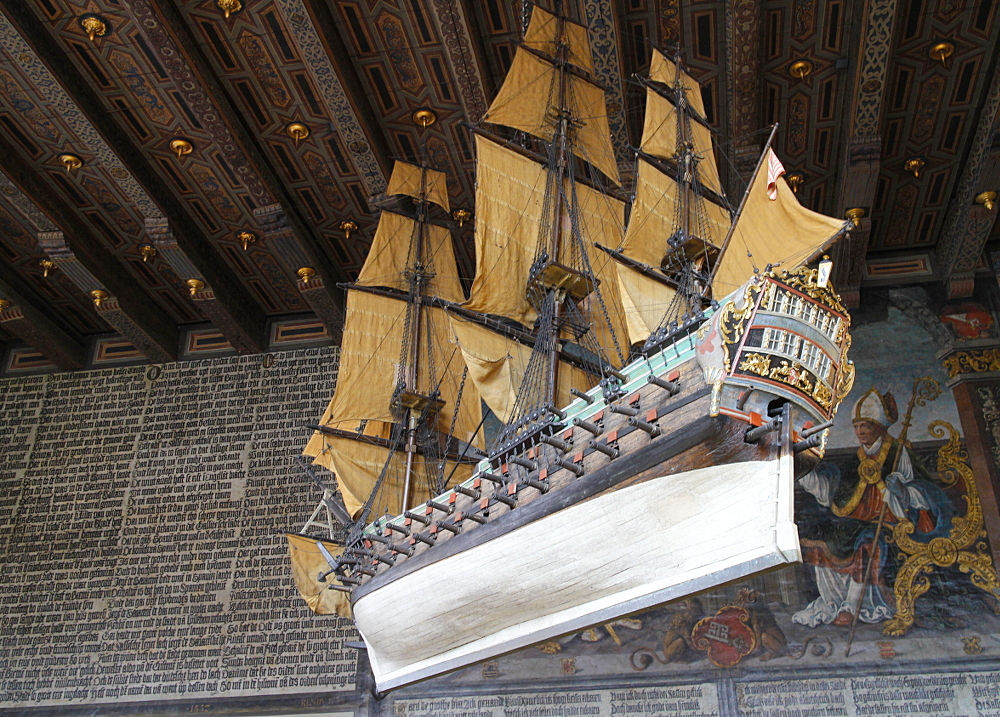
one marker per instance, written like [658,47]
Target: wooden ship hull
[655,408]
[592,514]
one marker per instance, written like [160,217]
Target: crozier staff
[845,540]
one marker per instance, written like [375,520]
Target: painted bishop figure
[838,527]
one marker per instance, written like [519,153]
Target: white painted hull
[587,564]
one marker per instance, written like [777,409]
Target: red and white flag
[774,170]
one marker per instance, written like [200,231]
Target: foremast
[685,247]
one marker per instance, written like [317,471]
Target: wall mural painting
[896,565]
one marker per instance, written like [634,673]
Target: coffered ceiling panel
[292,112]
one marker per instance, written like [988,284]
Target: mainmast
[536,224]
[556,186]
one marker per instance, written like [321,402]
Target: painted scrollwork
[972,362]
[963,546]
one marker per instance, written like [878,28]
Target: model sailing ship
[659,386]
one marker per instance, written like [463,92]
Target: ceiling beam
[968,223]
[24,319]
[99,264]
[743,70]
[239,307]
[453,23]
[338,54]
[157,346]
[862,158]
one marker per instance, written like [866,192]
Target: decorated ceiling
[179,163]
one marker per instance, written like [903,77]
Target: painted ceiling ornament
[968,320]
[726,636]
[876,407]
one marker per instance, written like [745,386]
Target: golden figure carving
[822,395]
[195,285]
[730,323]
[846,381]
[805,280]
[148,251]
[794,374]
[964,546]
[756,363]
[795,180]
[47,266]
[972,362]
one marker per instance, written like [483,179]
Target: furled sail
[497,365]
[777,231]
[399,359]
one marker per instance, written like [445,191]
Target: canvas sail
[419,183]
[659,138]
[542,35]
[368,374]
[509,192]
[531,89]
[497,365]
[307,563]
[386,263]
[664,70]
[376,361]
[777,231]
